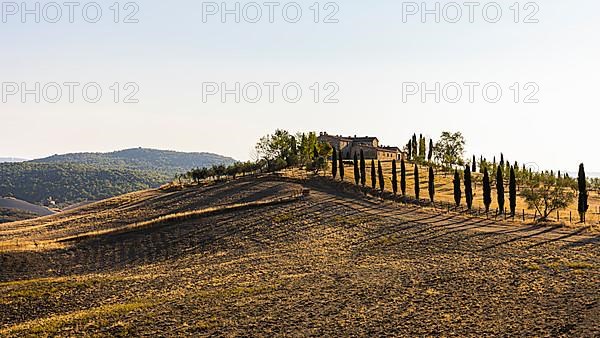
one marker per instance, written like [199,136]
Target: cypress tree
[422,147]
[341,164]
[468,188]
[373,175]
[334,163]
[457,192]
[474,165]
[415,147]
[431,184]
[430,155]
[417,187]
[500,189]
[363,169]
[487,190]
[582,206]
[403,177]
[512,192]
[501,159]
[410,150]
[380,174]
[394,178]
[356,170]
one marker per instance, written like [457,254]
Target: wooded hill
[74,178]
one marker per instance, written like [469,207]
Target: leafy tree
[512,192]
[487,190]
[341,164]
[373,175]
[417,184]
[363,169]
[403,177]
[334,163]
[356,170]
[500,189]
[468,188]
[474,165]
[380,174]
[457,191]
[308,142]
[582,205]
[431,184]
[394,178]
[279,146]
[449,149]
[547,194]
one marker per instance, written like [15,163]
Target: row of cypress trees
[360,174]
[360,178]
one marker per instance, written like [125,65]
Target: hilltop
[11,160]
[73,178]
[252,257]
[142,159]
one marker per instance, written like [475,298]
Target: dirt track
[335,263]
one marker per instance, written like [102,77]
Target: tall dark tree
[474,165]
[487,190]
[334,163]
[583,194]
[356,170]
[373,175]
[430,154]
[431,184]
[468,188]
[512,192]
[410,152]
[403,177]
[394,178]
[341,164]
[380,175]
[417,187]
[500,189]
[502,159]
[422,147]
[457,191]
[415,147]
[363,169]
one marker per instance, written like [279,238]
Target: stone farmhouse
[369,145]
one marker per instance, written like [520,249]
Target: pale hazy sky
[369,54]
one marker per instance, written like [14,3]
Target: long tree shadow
[545,230]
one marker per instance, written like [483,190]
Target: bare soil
[335,263]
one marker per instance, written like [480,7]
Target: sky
[361,68]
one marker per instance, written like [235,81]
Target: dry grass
[80,319]
[230,263]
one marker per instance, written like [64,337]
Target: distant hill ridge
[166,161]
[78,177]
[11,160]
